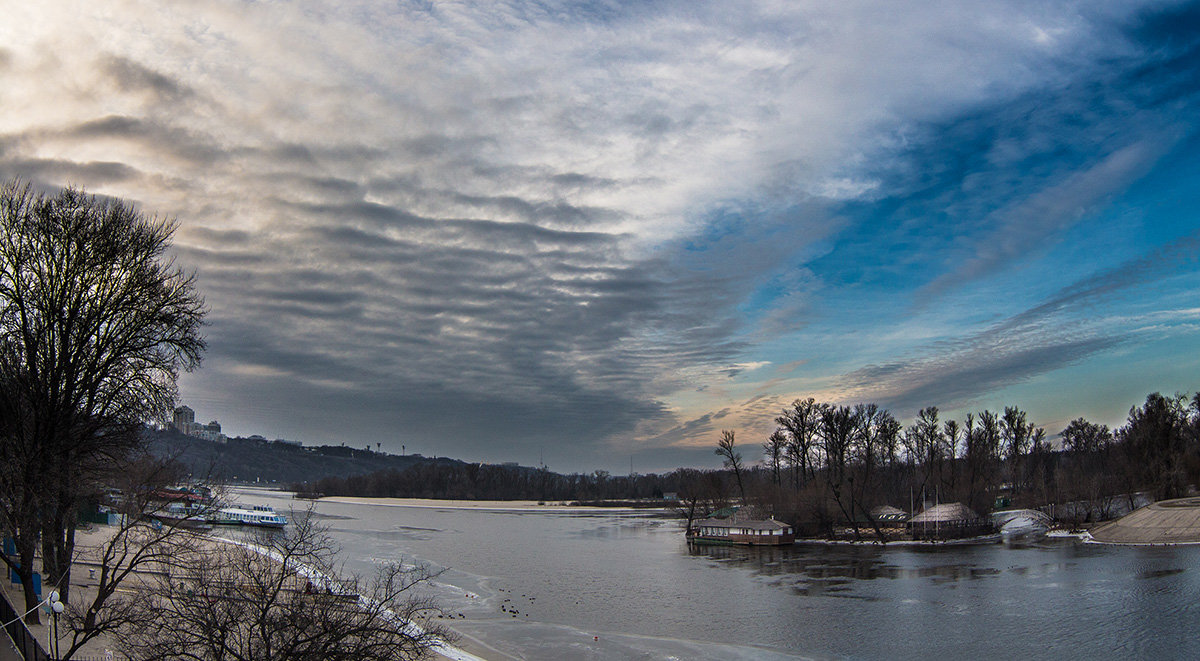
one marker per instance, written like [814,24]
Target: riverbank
[961,541]
[1168,522]
[84,585]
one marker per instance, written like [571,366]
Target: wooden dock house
[740,529]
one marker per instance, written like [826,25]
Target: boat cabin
[766,532]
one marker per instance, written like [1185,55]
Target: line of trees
[458,480]
[828,464]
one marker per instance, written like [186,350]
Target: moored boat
[262,516]
[184,515]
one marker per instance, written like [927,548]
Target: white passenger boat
[262,516]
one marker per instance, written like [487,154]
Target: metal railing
[28,646]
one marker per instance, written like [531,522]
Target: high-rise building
[185,422]
[185,417]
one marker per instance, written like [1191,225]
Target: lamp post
[54,606]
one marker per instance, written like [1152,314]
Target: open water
[625,585]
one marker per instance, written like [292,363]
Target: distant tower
[185,417]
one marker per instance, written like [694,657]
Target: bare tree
[1154,442]
[726,449]
[773,451]
[983,450]
[802,423]
[1016,433]
[281,601]
[1083,437]
[925,445]
[838,426]
[151,530]
[889,438]
[869,448]
[96,323]
[697,498]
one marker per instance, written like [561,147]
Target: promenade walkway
[7,651]
[1166,522]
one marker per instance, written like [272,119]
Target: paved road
[8,651]
[1167,522]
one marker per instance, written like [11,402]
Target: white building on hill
[185,422]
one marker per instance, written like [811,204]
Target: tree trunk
[837,497]
[25,553]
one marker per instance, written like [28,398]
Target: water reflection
[818,567]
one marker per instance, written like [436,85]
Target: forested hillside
[243,460]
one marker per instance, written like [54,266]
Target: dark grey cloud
[217,258]
[539,327]
[577,181]
[47,171]
[686,432]
[130,75]
[224,237]
[554,213]
[162,137]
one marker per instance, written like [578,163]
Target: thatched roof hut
[945,513]
[951,520]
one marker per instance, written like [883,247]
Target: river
[557,585]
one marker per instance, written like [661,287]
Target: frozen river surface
[556,585]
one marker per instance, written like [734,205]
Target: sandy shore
[83,590]
[1166,522]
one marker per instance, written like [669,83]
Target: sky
[595,234]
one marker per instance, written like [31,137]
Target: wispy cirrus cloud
[1071,325]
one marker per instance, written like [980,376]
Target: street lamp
[54,606]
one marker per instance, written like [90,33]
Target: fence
[26,644]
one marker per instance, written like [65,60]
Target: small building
[886,516]
[889,517]
[949,521]
[742,530]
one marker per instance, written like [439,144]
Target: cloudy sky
[591,232]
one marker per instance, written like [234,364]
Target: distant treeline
[464,481]
[827,467]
